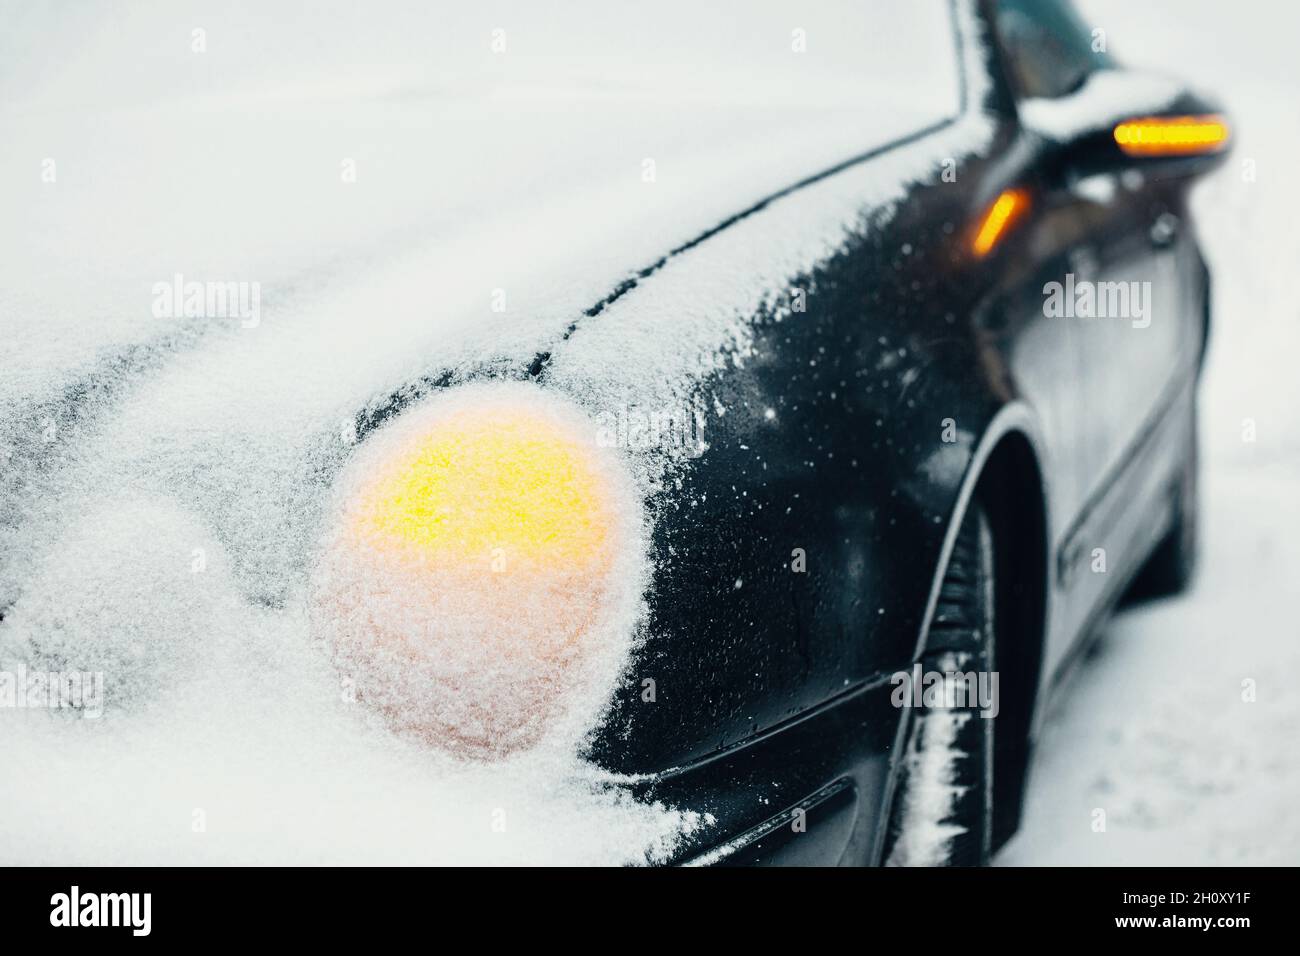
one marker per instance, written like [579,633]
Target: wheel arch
[1006,477]
[1010,489]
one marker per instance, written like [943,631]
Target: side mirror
[1121,120]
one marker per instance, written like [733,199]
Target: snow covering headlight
[481,577]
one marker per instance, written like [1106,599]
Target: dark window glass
[1049,50]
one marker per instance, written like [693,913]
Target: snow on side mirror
[1120,120]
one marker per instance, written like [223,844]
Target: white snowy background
[1153,729]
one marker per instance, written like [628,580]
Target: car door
[1111,284]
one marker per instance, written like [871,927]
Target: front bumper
[813,791]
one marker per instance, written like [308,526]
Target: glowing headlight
[490,485]
[482,572]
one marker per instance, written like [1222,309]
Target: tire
[941,813]
[1172,565]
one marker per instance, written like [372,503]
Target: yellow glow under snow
[502,484]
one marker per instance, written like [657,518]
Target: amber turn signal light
[1006,209]
[1172,135]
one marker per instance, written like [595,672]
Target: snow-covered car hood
[457,208]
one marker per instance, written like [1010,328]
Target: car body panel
[1105,404]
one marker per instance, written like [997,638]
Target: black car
[771,457]
[977,464]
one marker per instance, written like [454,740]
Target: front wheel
[942,810]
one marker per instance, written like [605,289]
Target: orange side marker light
[1006,209]
[1172,135]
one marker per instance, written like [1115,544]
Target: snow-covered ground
[1157,730]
